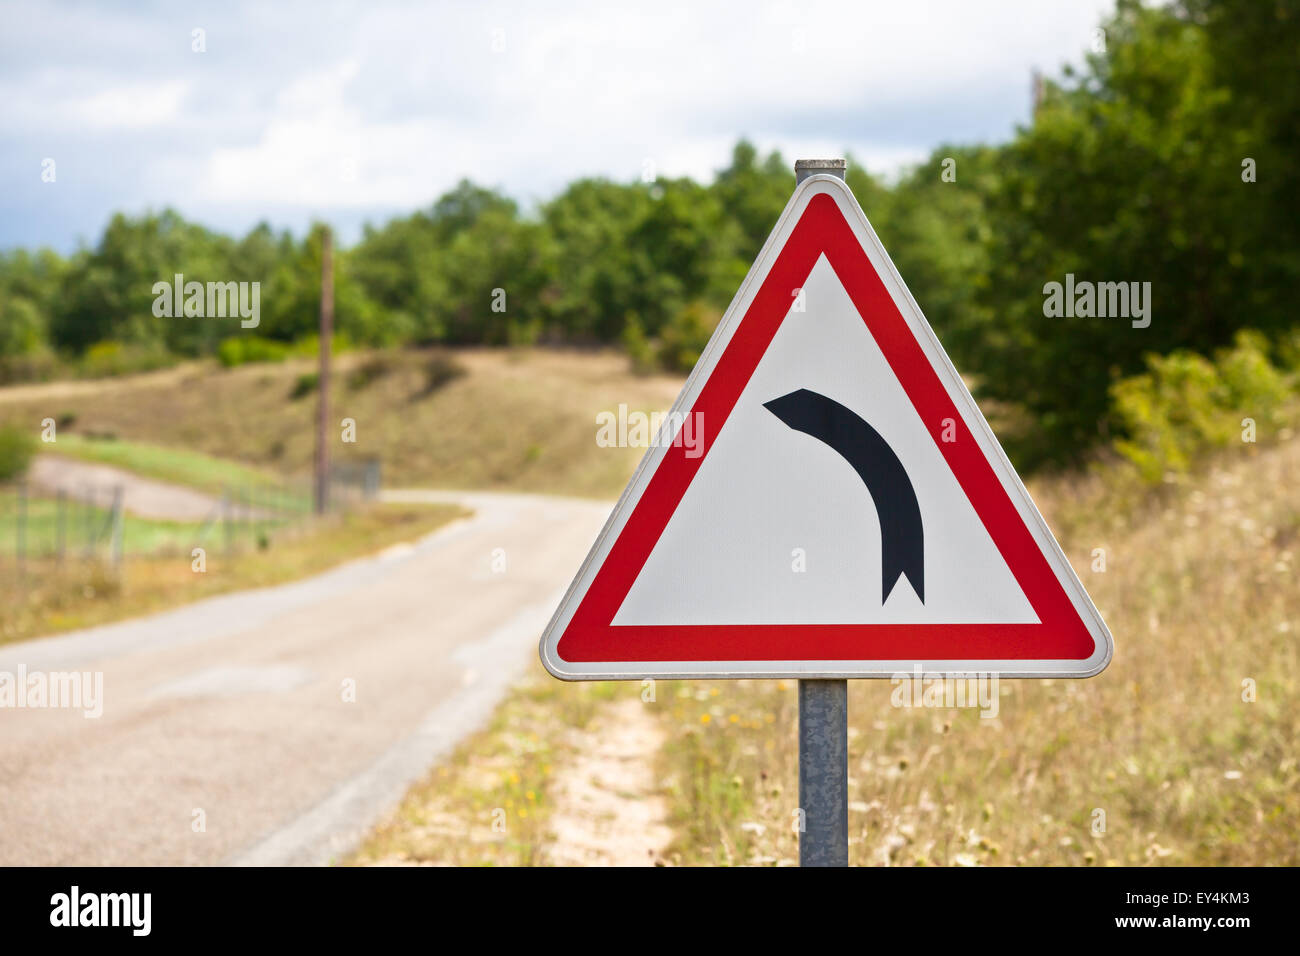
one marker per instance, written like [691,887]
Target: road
[225,735]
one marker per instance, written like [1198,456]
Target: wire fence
[96,523]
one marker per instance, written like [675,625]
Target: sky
[356,112]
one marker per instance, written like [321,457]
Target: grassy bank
[1199,591]
[1181,753]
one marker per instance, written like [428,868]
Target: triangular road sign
[826,499]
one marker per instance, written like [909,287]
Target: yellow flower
[705,718]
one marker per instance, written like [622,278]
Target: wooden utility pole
[323,382]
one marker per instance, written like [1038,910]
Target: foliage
[439,370]
[17,447]
[304,385]
[1132,169]
[104,359]
[1186,404]
[684,336]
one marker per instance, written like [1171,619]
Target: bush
[1186,404]
[16,450]
[304,386]
[440,370]
[370,371]
[242,349]
[684,336]
[639,348]
[39,366]
[106,359]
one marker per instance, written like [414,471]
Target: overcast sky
[357,111]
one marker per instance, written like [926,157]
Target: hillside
[478,418]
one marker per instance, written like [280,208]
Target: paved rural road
[233,705]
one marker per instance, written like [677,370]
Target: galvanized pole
[823,715]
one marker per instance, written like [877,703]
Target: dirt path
[141,496]
[609,811]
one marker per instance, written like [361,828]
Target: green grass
[139,535]
[178,466]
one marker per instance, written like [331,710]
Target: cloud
[300,110]
[130,107]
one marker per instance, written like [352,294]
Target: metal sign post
[823,716]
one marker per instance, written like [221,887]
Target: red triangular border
[1061,633]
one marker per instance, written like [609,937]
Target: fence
[92,524]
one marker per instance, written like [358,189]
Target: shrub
[440,370]
[304,386]
[638,347]
[242,349]
[40,366]
[369,371]
[16,450]
[1186,404]
[684,336]
[106,359]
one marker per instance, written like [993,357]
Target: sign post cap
[803,168]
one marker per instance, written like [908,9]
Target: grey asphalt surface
[231,710]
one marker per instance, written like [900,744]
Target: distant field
[43,528]
[176,465]
[48,597]
[478,418]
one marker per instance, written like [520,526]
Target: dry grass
[48,598]
[490,802]
[519,419]
[1199,591]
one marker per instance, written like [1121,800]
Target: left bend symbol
[902,537]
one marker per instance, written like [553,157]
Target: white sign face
[831,504]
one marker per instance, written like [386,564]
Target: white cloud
[384,105]
[135,106]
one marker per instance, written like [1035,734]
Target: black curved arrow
[902,538]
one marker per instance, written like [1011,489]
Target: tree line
[1167,158]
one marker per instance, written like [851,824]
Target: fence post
[90,522]
[118,529]
[62,524]
[21,542]
[225,515]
